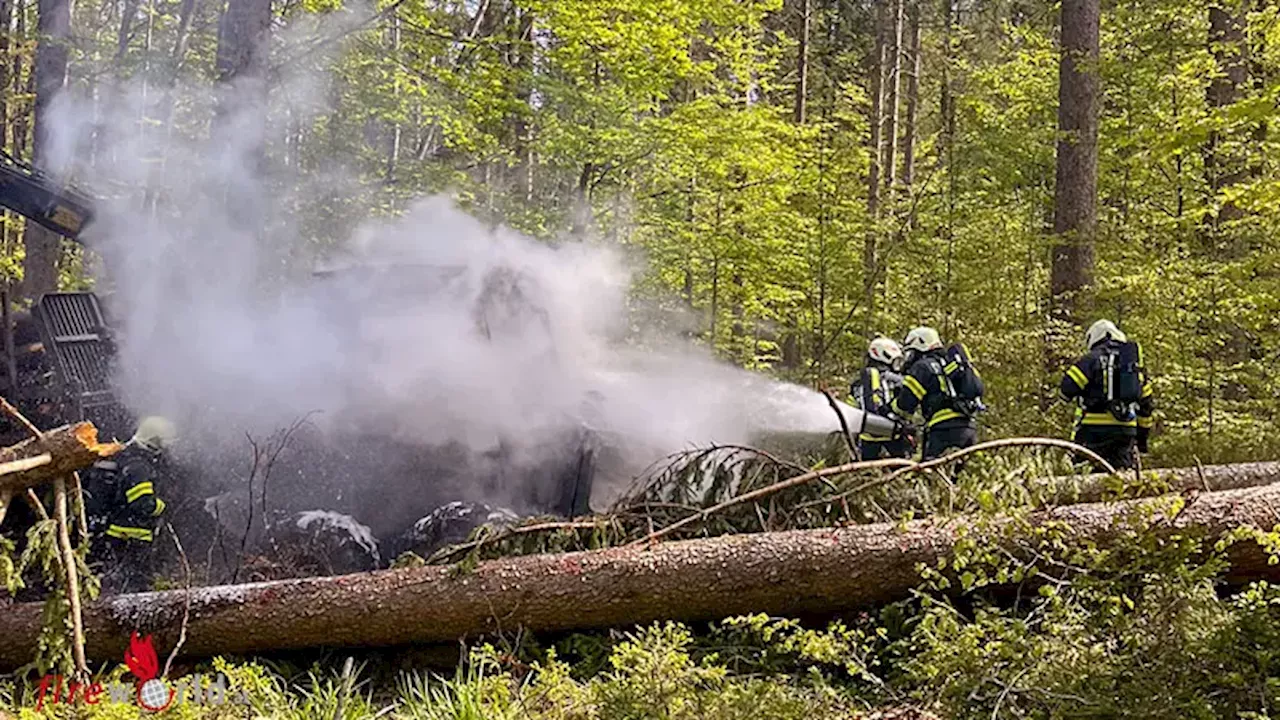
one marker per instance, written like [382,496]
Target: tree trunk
[6,25]
[1093,488]
[522,142]
[71,448]
[1223,167]
[240,118]
[40,267]
[1075,195]
[877,141]
[802,572]
[913,97]
[893,99]
[802,61]
[19,145]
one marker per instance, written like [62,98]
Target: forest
[769,184]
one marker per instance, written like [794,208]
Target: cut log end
[87,435]
[69,448]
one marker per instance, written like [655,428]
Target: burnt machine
[56,357]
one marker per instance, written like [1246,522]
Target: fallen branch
[450,551]
[904,466]
[771,489]
[784,573]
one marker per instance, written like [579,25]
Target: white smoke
[468,336]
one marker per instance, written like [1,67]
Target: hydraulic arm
[38,197]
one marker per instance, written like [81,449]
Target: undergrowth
[1025,620]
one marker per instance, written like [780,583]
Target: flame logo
[152,694]
[141,658]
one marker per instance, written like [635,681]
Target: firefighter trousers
[938,440]
[1117,446]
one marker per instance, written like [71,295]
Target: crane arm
[34,195]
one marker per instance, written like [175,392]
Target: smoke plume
[427,346]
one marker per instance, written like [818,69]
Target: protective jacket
[1084,383]
[924,388]
[122,502]
[874,393]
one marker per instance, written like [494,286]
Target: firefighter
[123,506]
[873,392]
[1113,396]
[944,387]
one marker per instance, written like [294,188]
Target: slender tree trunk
[21,127]
[1222,164]
[6,26]
[879,64]
[522,130]
[393,140]
[913,96]
[802,61]
[6,82]
[43,247]
[893,99]
[1075,194]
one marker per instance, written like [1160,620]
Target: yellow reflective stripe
[914,386]
[1147,390]
[138,491]
[1146,422]
[896,408]
[950,368]
[1106,418]
[159,507]
[943,414]
[875,379]
[1077,376]
[130,533]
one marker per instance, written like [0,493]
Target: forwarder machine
[56,357]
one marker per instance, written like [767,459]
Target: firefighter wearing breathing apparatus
[1113,396]
[943,385]
[873,393]
[123,506]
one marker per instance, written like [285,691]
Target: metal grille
[74,325]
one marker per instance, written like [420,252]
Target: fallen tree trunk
[786,573]
[1093,488]
[70,448]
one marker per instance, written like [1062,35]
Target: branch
[769,490]
[904,466]
[844,426]
[186,601]
[448,552]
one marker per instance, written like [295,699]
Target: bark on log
[71,447]
[1093,488]
[788,573]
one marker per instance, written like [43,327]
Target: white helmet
[922,339]
[1101,330]
[155,433]
[885,350]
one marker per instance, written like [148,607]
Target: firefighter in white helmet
[944,387]
[873,392]
[124,505]
[1113,395]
